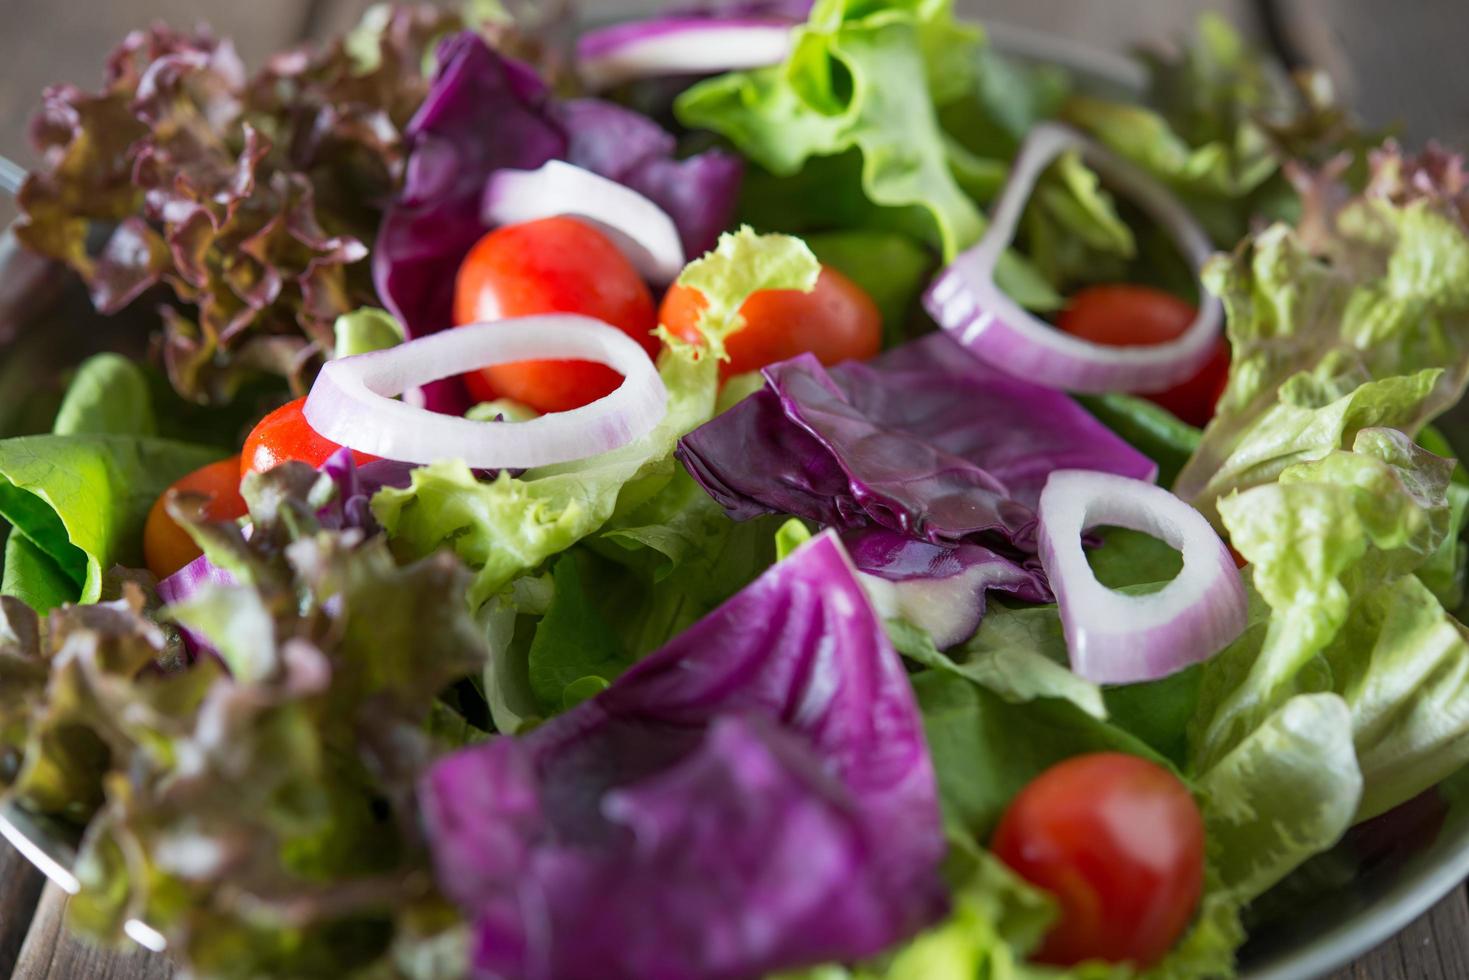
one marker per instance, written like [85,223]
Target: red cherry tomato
[1119,842]
[837,321]
[285,435]
[554,265]
[1135,316]
[167,547]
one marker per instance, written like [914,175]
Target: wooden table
[1403,62]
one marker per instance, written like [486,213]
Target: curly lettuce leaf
[857,78]
[262,817]
[1361,320]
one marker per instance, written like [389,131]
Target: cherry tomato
[554,265]
[836,321]
[285,435]
[1134,316]
[167,547]
[1119,842]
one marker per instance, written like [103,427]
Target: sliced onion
[643,230]
[1116,638]
[680,46]
[965,300]
[352,402]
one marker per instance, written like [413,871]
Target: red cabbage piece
[485,112]
[941,589]
[924,440]
[755,796]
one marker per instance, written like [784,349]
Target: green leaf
[985,749]
[573,643]
[1286,792]
[366,330]
[108,396]
[792,534]
[857,79]
[1334,546]
[1374,333]
[33,576]
[81,500]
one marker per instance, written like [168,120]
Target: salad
[779,489]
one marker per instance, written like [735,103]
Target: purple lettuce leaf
[485,112]
[925,440]
[349,508]
[725,809]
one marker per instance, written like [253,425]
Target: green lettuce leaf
[81,500]
[1362,320]
[109,396]
[1334,546]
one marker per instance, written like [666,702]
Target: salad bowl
[1340,904]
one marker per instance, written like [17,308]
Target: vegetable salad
[777,489]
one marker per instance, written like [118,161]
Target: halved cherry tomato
[167,547]
[1119,842]
[1136,316]
[285,435]
[837,321]
[554,265]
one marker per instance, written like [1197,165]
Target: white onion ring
[965,300]
[1115,638]
[351,402]
[680,46]
[642,230]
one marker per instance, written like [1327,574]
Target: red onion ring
[1116,638]
[352,401]
[643,230]
[965,300]
[680,46]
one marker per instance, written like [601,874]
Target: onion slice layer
[643,230]
[352,401]
[680,46]
[1117,638]
[965,300]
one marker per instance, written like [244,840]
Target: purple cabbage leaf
[924,440]
[726,808]
[485,112]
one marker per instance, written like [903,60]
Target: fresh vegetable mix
[779,489]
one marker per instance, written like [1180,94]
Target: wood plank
[52,953]
[20,890]
[1434,947]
